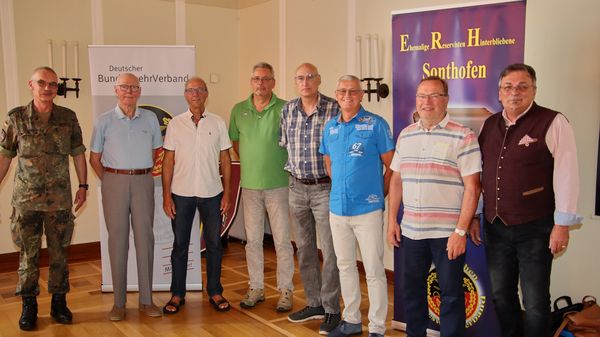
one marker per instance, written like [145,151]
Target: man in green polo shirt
[253,129]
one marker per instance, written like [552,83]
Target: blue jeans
[210,215]
[309,206]
[520,251]
[417,256]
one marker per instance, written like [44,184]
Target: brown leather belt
[324,180]
[132,172]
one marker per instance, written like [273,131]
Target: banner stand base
[157,287]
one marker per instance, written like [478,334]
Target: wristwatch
[460,232]
[84,186]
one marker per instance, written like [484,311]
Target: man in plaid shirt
[301,128]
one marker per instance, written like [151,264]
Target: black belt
[132,172]
[324,180]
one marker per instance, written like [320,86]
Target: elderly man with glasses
[254,131]
[436,171]
[195,143]
[530,188]
[357,146]
[125,143]
[43,136]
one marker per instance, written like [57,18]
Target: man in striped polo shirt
[436,171]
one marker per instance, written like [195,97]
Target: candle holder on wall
[63,87]
[381,89]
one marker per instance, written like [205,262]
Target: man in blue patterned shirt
[300,132]
[357,146]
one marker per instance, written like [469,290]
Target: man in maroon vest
[530,188]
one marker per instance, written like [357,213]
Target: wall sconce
[381,89]
[372,67]
[63,87]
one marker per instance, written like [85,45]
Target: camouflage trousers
[27,228]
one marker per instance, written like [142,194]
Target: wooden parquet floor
[197,318]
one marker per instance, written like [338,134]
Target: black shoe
[330,322]
[28,318]
[59,310]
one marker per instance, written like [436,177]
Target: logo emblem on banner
[474,299]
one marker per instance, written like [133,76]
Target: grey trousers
[309,206]
[275,202]
[124,196]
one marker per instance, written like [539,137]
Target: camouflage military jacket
[42,181]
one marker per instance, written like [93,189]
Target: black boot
[29,315]
[59,310]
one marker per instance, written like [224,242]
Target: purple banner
[469,47]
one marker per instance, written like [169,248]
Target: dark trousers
[210,215]
[417,256]
[520,252]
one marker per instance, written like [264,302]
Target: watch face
[460,232]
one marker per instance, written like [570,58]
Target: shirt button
[498,198]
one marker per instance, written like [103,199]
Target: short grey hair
[264,65]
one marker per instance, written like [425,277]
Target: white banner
[162,71]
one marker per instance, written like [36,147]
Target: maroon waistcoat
[517,167]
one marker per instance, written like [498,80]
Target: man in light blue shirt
[125,143]
[356,147]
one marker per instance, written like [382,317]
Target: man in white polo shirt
[195,143]
[435,174]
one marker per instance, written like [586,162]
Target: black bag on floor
[558,312]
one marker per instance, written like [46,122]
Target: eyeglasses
[44,84]
[127,87]
[197,91]
[518,88]
[257,79]
[350,92]
[432,96]
[307,77]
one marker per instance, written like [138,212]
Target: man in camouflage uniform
[43,135]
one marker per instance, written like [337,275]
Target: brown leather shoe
[116,313]
[150,310]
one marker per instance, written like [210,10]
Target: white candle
[50,59]
[76,58]
[368,55]
[376,56]
[359,55]
[64,59]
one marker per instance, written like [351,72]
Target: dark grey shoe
[346,329]
[329,323]
[306,314]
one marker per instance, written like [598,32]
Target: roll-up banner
[162,71]
[468,45]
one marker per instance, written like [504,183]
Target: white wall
[562,43]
